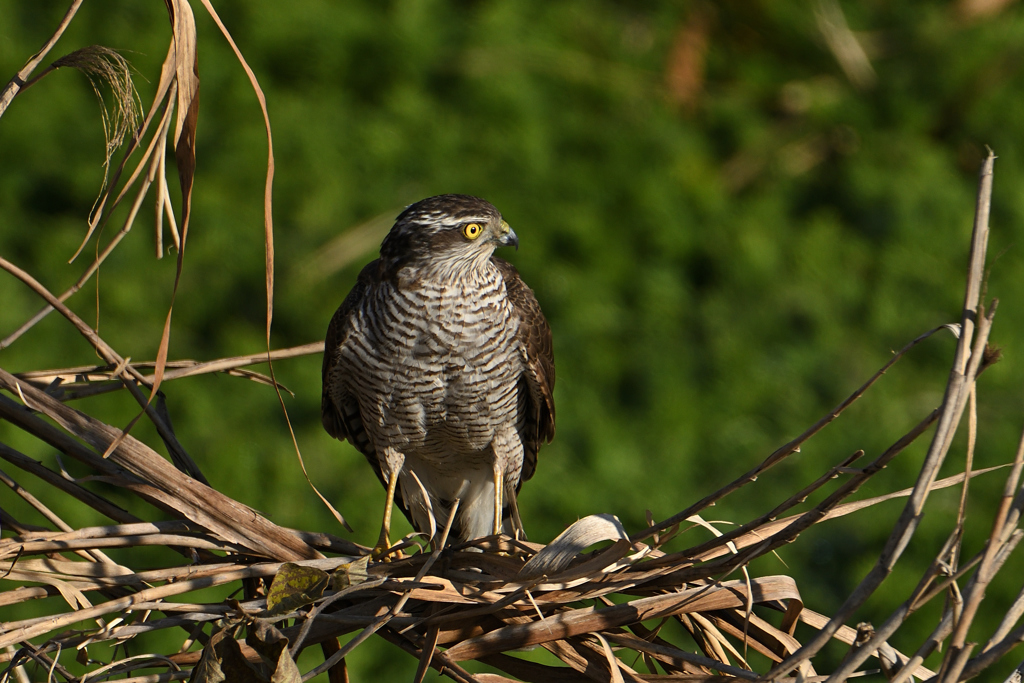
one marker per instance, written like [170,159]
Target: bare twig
[782,452]
[958,388]
[17,84]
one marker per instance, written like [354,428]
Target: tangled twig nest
[602,613]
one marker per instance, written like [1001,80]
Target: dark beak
[507,237]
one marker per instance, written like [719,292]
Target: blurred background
[731,213]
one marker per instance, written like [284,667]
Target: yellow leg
[380,551]
[499,490]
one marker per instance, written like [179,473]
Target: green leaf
[295,586]
[350,574]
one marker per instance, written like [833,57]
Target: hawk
[439,368]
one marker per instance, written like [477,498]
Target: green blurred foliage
[727,236]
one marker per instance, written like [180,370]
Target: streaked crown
[451,230]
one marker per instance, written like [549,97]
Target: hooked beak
[507,238]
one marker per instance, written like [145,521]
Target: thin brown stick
[704,549]
[190,498]
[960,379]
[440,661]
[90,555]
[585,620]
[972,438]
[17,83]
[976,665]
[770,528]
[730,563]
[918,598]
[782,452]
[18,632]
[128,375]
[92,375]
[1002,527]
[881,634]
[1011,617]
[47,547]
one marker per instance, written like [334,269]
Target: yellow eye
[472,230]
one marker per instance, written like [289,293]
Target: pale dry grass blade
[349,247]
[766,527]
[732,562]
[186,70]
[843,43]
[1003,537]
[101,65]
[81,381]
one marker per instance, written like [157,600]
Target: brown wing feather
[339,410]
[331,414]
[535,339]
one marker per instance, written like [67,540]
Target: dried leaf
[222,660]
[272,645]
[186,68]
[208,670]
[583,534]
[74,597]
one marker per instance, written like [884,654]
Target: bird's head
[449,232]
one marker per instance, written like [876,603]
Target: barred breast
[434,364]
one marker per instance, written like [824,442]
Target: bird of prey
[439,368]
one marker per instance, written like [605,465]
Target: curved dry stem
[18,83]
